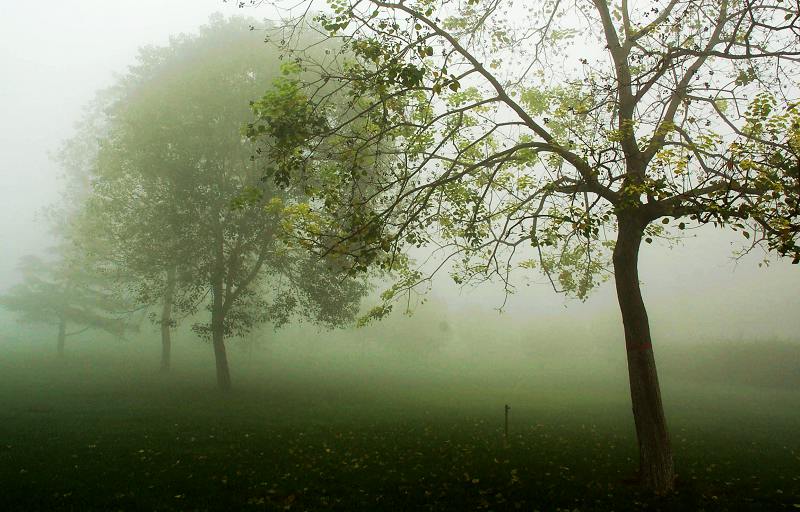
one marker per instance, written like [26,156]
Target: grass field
[77,437]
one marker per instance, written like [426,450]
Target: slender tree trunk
[218,326]
[656,467]
[218,308]
[62,336]
[166,321]
[220,355]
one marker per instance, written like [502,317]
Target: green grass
[74,437]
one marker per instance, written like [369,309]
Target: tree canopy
[170,167]
[67,294]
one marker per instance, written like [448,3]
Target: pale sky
[54,56]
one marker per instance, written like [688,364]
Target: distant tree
[67,294]
[554,134]
[168,189]
[75,287]
[133,226]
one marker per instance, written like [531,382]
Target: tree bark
[218,308]
[166,321]
[62,336]
[656,467]
[220,355]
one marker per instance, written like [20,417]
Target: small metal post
[508,408]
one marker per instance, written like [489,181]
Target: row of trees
[477,128]
[159,221]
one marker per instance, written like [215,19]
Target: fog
[57,55]
[726,331]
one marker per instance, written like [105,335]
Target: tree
[75,286]
[558,134]
[63,293]
[133,225]
[169,171]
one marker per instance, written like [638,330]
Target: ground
[75,438]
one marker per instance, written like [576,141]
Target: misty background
[726,329]
[56,55]
[710,312]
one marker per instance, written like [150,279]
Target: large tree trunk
[220,356]
[656,468]
[62,336]
[166,321]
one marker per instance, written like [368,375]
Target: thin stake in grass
[508,408]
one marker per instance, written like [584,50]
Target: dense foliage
[171,167]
